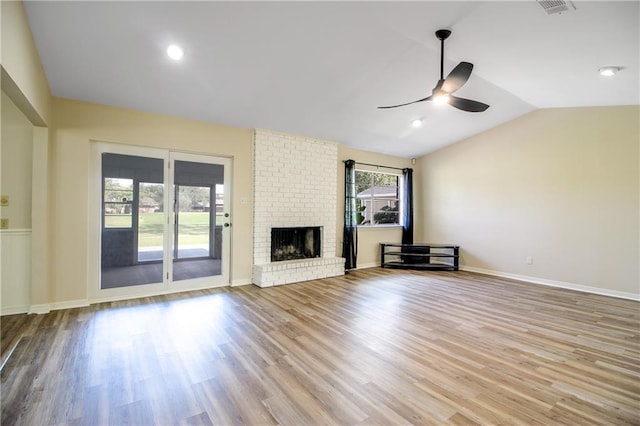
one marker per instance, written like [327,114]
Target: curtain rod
[376,165]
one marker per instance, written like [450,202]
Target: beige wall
[24,82]
[78,123]
[17,149]
[23,78]
[369,239]
[16,142]
[559,185]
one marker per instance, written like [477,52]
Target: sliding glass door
[162,221]
[132,237]
[199,216]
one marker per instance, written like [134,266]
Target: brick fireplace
[295,181]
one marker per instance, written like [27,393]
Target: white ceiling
[321,68]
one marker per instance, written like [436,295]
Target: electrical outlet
[529,260]
[4,223]
[4,200]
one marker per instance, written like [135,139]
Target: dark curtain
[350,234]
[407,215]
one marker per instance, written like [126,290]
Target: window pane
[150,221]
[118,196]
[132,245]
[118,190]
[377,198]
[381,179]
[364,184]
[194,208]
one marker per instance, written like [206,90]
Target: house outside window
[377,198]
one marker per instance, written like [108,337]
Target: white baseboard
[241,282]
[44,308]
[14,310]
[552,283]
[80,303]
[367,265]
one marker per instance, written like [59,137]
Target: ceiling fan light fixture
[608,71]
[441,98]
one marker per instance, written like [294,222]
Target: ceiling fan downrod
[442,35]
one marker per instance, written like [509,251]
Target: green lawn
[193,227]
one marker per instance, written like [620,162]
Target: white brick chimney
[294,180]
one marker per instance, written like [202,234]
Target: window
[377,198]
[118,203]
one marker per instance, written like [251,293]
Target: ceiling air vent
[556,6]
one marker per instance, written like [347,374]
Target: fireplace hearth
[295,243]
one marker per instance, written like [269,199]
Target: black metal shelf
[399,253]
[418,256]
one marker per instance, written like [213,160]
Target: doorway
[162,221]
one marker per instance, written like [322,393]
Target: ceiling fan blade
[467,104]
[457,77]
[408,103]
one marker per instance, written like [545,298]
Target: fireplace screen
[295,243]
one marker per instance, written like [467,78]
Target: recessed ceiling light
[175,52]
[608,71]
[417,122]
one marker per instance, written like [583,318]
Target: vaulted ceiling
[321,69]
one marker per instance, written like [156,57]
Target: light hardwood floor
[378,346]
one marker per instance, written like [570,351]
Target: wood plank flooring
[375,347]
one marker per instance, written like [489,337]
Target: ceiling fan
[443,92]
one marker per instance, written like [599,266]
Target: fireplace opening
[295,243]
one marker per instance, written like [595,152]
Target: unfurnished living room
[331,212]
